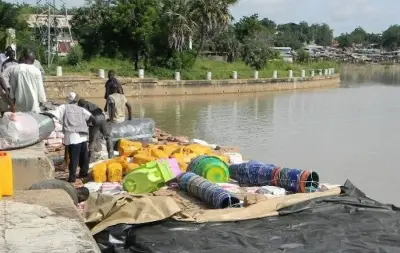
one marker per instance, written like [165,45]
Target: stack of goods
[137,129]
[55,140]
[258,174]
[208,192]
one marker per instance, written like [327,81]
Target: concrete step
[43,221]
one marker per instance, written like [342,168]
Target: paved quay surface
[43,221]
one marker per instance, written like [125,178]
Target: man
[116,104]
[100,125]
[112,82]
[10,60]
[26,84]
[6,103]
[76,132]
[78,195]
[38,65]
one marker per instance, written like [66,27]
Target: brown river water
[343,133]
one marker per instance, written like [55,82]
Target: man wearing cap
[74,120]
[100,125]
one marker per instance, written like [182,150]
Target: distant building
[60,26]
[285,52]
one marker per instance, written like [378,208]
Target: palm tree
[180,25]
[209,15]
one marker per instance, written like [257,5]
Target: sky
[341,15]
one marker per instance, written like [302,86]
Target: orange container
[6,174]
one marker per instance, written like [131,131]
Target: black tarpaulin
[350,222]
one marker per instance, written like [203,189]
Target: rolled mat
[252,173]
[210,167]
[208,192]
[296,180]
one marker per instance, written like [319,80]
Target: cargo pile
[199,169]
[55,140]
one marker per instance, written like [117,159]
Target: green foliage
[257,51]
[391,37]
[75,56]
[303,56]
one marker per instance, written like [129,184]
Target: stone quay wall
[94,87]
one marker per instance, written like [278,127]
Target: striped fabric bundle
[208,192]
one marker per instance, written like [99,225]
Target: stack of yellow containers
[142,154]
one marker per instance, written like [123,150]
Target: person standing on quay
[26,85]
[74,120]
[10,60]
[99,125]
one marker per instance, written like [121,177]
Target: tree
[303,56]
[178,22]
[226,42]
[247,27]
[391,38]
[359,36]
[258,50]
[209,15]
[345,40]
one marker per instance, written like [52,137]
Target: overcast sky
[341,15]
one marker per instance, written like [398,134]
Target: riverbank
[93,87]
[220,68]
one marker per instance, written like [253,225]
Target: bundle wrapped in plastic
[18,130]
[135,129]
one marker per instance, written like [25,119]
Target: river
[343,133]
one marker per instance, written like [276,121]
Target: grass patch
[219,69]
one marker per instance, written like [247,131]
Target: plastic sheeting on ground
[350,222]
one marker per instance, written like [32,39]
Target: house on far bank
[60,28]
[285,52]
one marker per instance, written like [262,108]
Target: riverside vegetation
[127,35]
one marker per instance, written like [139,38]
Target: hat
[72,97]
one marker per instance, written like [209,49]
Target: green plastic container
[148,178]
[211,168]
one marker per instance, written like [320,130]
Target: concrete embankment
[43,221]
[92,87]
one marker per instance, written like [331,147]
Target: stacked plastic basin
[255,173]
[210,167]
[151,176]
